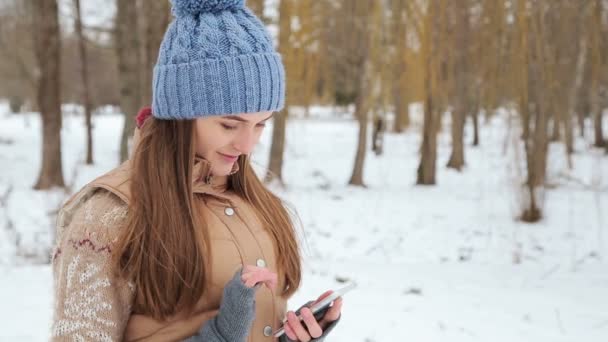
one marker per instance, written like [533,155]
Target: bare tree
[430,49]
[48,54]
[277,147]
[365,16]
[127,45]
[400,86]
[18,69]
[533,63]
[460,87]
[596,71]
[155,22]
[84,72]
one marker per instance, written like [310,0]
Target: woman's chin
[223,169]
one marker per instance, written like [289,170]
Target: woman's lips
[228,158]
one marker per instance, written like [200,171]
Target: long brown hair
[164,247]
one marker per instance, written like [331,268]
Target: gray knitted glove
[318,316]
[236,314]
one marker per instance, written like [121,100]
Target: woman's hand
[252,275]
[295,330]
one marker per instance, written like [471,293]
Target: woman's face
[222,139]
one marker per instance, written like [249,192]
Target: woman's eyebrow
[240,119]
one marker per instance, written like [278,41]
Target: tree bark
[536,149]
[402,112]
[366,21]
[156,20]
[362,115]
[462,99]
[428,151]
[277,147]
[572,100]
[84,73]
[475,117]
[129,57]
[401,103]
[48,55]
[596,69]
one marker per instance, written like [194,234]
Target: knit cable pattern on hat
[214,63]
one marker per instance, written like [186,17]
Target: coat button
[229,211]
[261,263]
[267,330]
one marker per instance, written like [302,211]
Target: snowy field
[432,263]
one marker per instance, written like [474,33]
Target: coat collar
[203,180]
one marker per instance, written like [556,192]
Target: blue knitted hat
[216,58]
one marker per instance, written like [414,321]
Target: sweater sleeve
[90,302]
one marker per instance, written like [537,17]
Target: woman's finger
[272,282]
[265,276]
[254,279]
[289,332]
[313,327]
[296,326]
[333,313]
[250,279]
[325,294]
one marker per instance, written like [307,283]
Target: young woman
[183,241]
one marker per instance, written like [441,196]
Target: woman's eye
[228,127]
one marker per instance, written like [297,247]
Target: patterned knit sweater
[91,303]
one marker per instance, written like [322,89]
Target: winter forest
[449,156]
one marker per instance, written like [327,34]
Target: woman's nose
[246,141]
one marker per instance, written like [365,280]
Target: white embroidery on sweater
[88,212]
[84,307]
[112,216]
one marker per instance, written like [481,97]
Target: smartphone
[321,306]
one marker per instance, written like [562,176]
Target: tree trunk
[156,20]
[456,160]
[402,115]
[277,148]
[48,54]
[428,150]
[128,51]
[84,73]
[362,115]
[366,23]
[475,115]
[536,150]
[596,69]
[572,99]
[462,100]
[401,103]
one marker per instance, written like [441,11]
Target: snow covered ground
[431,263]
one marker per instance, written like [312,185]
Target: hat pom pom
[194,7]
